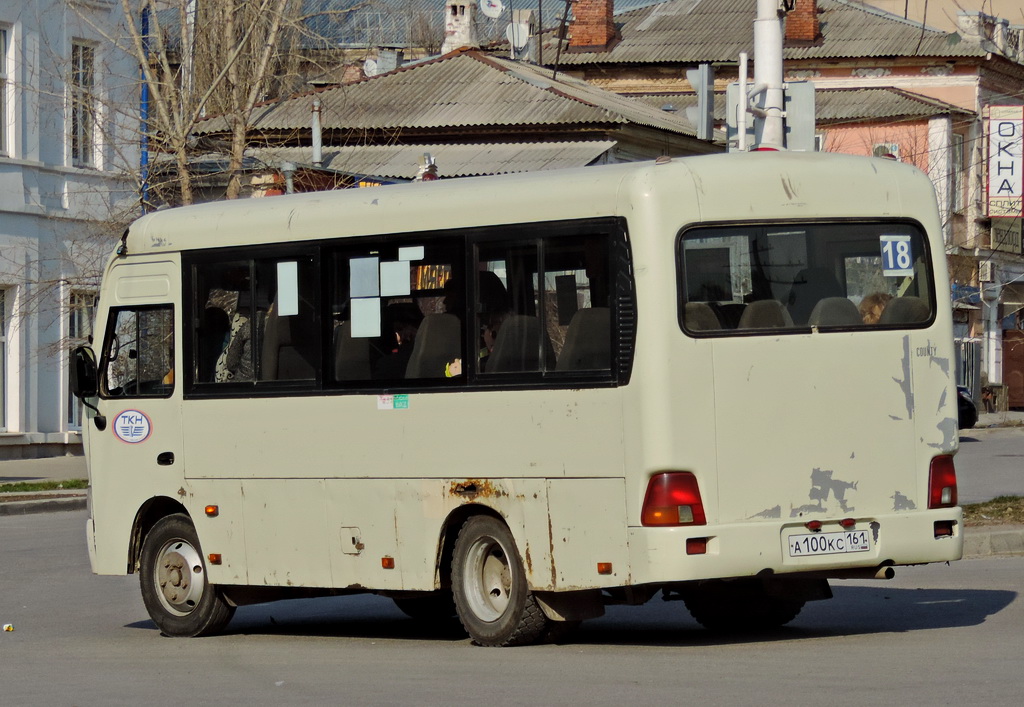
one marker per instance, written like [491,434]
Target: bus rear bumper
[659,555]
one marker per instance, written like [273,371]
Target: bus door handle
[165,458]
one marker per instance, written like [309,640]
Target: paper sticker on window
[364,277]
[365,317]
[287,288]
[394,279]
[411,253]
[897,255]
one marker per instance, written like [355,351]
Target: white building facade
[69,131]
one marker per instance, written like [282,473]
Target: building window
[4,82]
[80,318]
[83,104]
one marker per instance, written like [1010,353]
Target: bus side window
[224,322]
[397,312]
[289,342]
[139,353]
[542,305]
[255,320]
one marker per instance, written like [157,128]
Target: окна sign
[1006,161]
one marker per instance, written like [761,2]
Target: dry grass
[1004,510]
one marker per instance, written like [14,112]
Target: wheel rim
[179,577]
[488,579]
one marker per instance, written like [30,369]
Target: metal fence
[968,366]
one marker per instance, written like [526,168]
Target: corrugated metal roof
[461,89]
[856,104]
[691,31]
[401,161]
[837,105]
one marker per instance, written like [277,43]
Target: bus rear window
[829,276]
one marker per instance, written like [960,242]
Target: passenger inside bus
[872,305]
[401,323]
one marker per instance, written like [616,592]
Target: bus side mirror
[84,374]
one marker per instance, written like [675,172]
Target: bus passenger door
[136,454]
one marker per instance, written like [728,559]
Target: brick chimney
[459,25]
[802,23]
[592,28]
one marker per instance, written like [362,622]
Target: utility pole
[768,71]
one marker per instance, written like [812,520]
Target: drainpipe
[289,177]
[144,118]
[768,71]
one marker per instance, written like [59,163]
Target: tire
[431,606]
[494,604]
[173,581]
[741,606]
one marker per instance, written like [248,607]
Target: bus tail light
[942,483]
[673,498]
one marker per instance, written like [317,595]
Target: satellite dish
[370,67]
[518,33]
[492,8]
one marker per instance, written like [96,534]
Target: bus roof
[724,187]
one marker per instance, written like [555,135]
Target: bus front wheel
[173,581]
[493,601]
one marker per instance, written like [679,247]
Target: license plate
[829,543]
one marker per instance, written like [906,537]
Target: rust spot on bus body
[476,488]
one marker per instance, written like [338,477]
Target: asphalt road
[990,463]
[936,634]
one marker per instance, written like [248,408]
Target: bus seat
[905,310]
[728,313]
[698,316]
[835,311]
[765,314]
[518,346]
[437,345]
[351,356]
[810,286]
[587,341]
[282,358]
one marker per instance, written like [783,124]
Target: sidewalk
[50,469]
[986,420]
[979,541]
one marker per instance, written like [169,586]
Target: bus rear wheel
[741,606]
[173,581]
[493,601]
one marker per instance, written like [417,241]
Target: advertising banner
[1006,162]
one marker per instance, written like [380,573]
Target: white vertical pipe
[768,69]
[318,143]
[741,106]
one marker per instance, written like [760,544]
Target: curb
[65,502]
[989,542]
